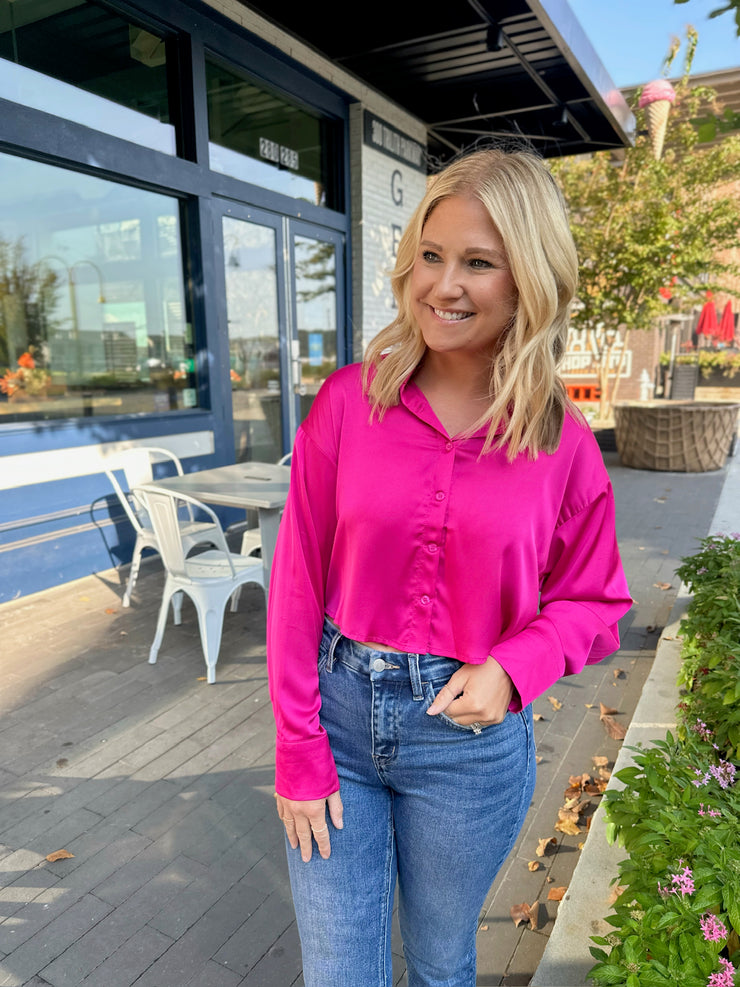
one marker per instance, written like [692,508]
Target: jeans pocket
[323,656]
[430,692]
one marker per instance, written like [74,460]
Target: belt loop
[332,648]
[415,676]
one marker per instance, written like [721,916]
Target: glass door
[283,293]
[317,344]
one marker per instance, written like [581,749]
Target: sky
[632,36]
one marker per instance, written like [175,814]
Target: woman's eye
[429,256]
[479,264]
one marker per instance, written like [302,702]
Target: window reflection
[92,297]
[254,344]
[84,61]
[260,137]
[316,314]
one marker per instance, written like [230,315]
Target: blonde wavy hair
[528,400]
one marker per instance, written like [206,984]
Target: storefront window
[260,137]
[93,316]
[85,62]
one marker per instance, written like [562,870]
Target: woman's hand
[306,821]
[475,694]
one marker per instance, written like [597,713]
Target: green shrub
[677,918]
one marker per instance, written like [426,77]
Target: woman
[447,553]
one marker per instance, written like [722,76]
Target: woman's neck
[465,378]
[457,390]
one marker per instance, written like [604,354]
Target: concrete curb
[566,960]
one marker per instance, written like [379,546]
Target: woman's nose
[449,282]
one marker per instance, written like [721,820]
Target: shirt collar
[413,398]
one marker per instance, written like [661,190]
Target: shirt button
[439,495]
[432,547]
[448,446]
[425,600]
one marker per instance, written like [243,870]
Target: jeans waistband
[385,665]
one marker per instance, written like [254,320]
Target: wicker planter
[680,436]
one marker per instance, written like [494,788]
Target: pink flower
[683,882]
[702,729]
[724,773]
[712,928]
[709,811]
[726,977]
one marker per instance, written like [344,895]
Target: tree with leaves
[647,230]
[731,6]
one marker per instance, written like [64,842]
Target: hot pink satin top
[406,537]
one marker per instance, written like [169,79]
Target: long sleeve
[304,763]
[583,595]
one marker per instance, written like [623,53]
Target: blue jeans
[429,803]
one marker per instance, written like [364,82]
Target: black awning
[471,69]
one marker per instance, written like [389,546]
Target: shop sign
[388,140]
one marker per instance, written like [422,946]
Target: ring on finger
[317,831]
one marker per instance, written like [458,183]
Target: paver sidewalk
[161,785]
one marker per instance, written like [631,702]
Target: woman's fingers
[447,694]
[336,810]
[306,821]
[475,694]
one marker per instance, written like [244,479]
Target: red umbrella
[726,330]
[707,325]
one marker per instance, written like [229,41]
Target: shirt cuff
[305,769]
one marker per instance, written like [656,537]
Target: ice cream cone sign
[656,99]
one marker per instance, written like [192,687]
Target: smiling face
[462,292]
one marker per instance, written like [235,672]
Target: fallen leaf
[619,673]
[533,865]
[581,846]
[525,913]
[662,585]
[556,894]
[484,928]
[59,855]
[201,678]
[568,827]
[538,759]
[599,760]
[616,892]
[111,610]
[538,716]
[615,730]
[589,705]
[543,844]
[554,702]
[606,710]
[659,500]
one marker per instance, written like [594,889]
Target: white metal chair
[208,578]
[137,468]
